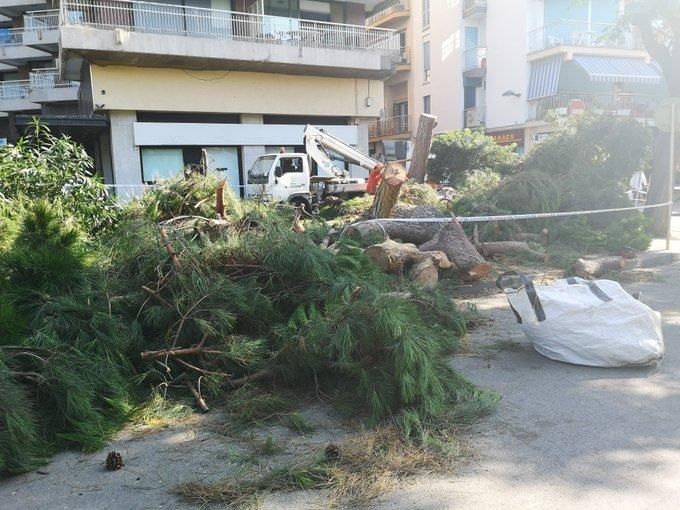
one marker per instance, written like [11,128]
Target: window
[161,163]
[426,60]
[289,165]
[427,107]
[426,14]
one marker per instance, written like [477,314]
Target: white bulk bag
[594,323]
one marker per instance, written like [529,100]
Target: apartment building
[511,66]
[148,86]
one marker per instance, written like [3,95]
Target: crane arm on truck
[317,145]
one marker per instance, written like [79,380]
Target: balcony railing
[584,34]
[474,58]
[472,6]
[11,36]
[199,22]
[49,78]
[14,89]
[624,105]
[398,7]
[390,127]
[41,20]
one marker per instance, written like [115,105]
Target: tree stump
[393,177]
[421,147]
[393,257]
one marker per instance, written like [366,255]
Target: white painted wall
[507,66]
[168,133]
[446,42]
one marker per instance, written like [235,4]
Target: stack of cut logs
[419,250]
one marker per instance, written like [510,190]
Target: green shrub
[457,154]
[43,166]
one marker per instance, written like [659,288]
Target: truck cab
[280,178]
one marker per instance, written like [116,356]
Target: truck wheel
[299,201]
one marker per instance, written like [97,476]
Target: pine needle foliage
[267,298]
[68,362]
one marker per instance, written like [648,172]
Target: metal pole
[671,175]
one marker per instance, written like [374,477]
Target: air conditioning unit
[473,118]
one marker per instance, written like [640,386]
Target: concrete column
[250,153]
[362,135]
[127,166]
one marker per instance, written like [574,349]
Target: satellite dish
[662,114]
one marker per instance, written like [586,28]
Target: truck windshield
[259,173]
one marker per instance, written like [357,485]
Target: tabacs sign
[509,137]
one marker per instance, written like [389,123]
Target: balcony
[474,117]
[474,9]
[474,62]
[396,127]
[41,30]
[398,9]
[404,63]
[13,49]
[162,35]
[571,103]
[15,8]
[14,96]
[47,86]
[581,34]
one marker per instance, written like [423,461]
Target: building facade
[149,87]
[511,67]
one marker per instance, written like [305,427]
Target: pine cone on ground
[332,452]
[114,461]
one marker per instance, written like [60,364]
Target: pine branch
[174,353]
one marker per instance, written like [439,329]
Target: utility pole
[671,175]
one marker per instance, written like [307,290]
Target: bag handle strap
[594,288]
[531,294]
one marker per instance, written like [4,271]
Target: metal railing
[474,117]
[471,5]
[426,19]
[474,58]
[584,34]
[14,89]
[218,24]
[41,20]
[390,127]
[398,6]
[11,37]
[49,78]
[624,105]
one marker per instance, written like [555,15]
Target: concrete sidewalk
[567,436]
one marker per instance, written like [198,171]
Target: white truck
[288,177]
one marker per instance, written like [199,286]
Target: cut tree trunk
[587,268]
[421,147]
[393,257]
[416,233]
[491,249]
[219,198]
[453,241]
[416,211]
[424,274]
[393,177]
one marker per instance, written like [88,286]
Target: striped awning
[544,77]
[619,69]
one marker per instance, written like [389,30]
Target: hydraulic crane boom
[317,145]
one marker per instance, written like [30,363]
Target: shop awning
[544,77]
[619,69]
